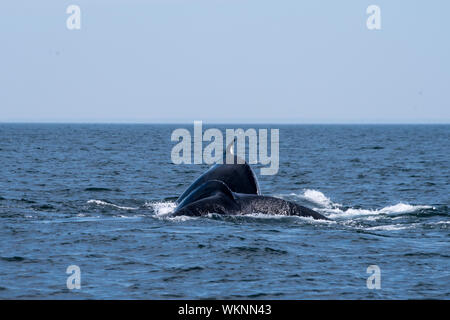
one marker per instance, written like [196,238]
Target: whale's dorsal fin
[230,147]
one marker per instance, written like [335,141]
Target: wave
[391,227]
[442,222]
[104,203]
[399,208]
[100,189]
[318,198]
[336,210]
[161,209]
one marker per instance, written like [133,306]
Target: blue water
[100,196]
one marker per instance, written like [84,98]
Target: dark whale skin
[276,206]
[238,177]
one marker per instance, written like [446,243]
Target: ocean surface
[100,196]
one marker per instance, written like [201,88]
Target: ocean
[99,196]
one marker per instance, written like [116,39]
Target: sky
[228,61]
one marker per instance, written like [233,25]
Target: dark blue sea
[99,196]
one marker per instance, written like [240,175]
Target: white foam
[391,227]
[334,210]
[399,208]
[403,208]
[180,218]
[163,211]
[317,197]
[349,213]
[444,222]
[104,203]
[162,208]
[265,216]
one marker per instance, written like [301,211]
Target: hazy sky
[225,61]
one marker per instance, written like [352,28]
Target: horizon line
[223,122]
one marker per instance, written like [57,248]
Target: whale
[233,189]
[215,197]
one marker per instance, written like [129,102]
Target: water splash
[161,208]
